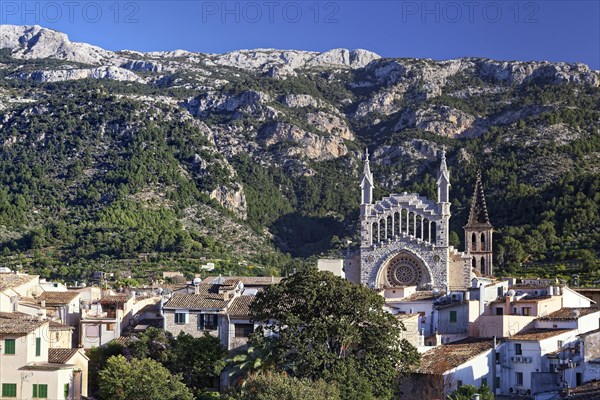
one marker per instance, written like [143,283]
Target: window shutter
[9,390]
[9,346]
[201,322]
[35,391]
[38,347]
[43,391]
[66,390]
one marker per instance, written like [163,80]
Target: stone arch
[390,224]
[397,221]
[473,241]
[381,230]
[405,263]
[482,242]
[483,269]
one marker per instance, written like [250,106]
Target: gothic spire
[366,182]
[443,181]
[479,213]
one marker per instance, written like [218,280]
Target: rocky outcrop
[143,66]
[232,198]
[302,143]
[331,124]
[112,73]
[28,42]
[215,101]
[519,72]
[441,120]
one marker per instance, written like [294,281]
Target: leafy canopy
[318,326]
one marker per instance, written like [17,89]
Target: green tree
[466,392]
[323,323]
[143,379]
[280,386]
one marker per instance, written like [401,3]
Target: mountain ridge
[172,155]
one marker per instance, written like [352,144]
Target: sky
[553,30]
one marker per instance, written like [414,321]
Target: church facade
[404,239]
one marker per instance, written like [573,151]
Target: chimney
[196,289]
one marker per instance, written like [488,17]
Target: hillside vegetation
[252,159]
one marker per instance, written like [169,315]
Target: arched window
[374,233]
[411,224]
[390,233]
[483,265]
[397,223]
[482,243]
[404,220]
[381,230]
[474,263]
[473,241]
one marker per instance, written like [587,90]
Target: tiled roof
[247,280]
[15,315]
[18,326]
[60,356]
[195,301]
[537,334]
[55,326]
[57,298]
[447,356]
[240,306]
[587,391]
[421,295]
[9,281]
[114,298]
[569,313]
[401,317]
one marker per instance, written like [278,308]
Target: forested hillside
[139,162]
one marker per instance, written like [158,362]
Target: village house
[27,369]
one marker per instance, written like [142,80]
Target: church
[404,239]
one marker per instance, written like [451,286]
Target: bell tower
[478,232]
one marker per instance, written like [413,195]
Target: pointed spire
[367,168]
[366,182]
[443,181]
[479,213]
[443,167]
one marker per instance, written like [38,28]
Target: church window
[474,241]
[482,244]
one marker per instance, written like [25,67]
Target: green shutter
[43,391]
[66,390]
[452,316]
[9,390]
[38,347]
[9,346]
[35,391]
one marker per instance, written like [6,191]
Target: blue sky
[552,30]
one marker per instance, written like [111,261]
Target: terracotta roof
[55,326]
[537,334]
[587,391]
[569,313]
[57,298]
[447,356]
[248,280]
[19,326]
[195,301]
[421,295]
[60,356]
[402,317]
[114,298]
[9,281]
[240,306]
[122,340]
[15,315]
